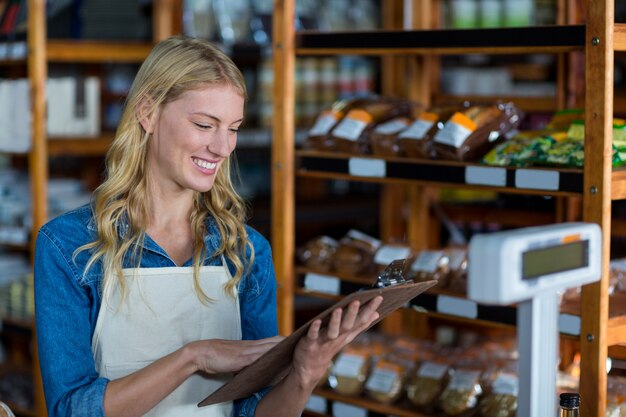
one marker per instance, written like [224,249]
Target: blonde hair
[175,66]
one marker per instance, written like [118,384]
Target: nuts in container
[501,401]
[426,384]
[386,381]
[461,395]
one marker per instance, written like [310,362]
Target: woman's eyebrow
[217,119]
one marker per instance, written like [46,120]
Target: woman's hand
[315,350]
[218,355]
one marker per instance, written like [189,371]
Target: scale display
[557,258]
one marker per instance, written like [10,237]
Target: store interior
[526,106]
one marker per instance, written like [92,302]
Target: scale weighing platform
[530,267]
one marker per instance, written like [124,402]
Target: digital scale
[531,267]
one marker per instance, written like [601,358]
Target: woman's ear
[146,114]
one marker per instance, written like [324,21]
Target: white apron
[160,314]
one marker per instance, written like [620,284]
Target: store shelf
[528,104]
[96,146]
[401,409]
[538,181]
[454,306]
[539,39]
[75,51]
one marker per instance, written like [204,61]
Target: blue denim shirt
[67,306]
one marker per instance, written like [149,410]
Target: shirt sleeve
[258,311]
[72,386]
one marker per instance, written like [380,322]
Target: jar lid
[570,400]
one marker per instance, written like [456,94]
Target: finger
[334,324]
[314,330]
[367,312]
[350,316]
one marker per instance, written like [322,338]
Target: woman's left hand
[315,350]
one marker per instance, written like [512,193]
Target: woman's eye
[201,126]
[234,130]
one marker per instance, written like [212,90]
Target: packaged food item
[460,397]
[352,133]
[350,370]
[386,381]
[508,153]
[561,120]
[388,253]
[501,401]
[318,253]
[384,138]
[457,269]
[355,253]
[427,383]
[416,140]
[429,265]
[470,134]
[318,136]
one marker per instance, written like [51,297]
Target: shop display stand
[41,52]
[597,184]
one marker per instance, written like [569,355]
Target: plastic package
[457,267]
[460,397]
[350,370]
[318,136]
[470,134]
[427,383]
[355,253]
[386,381]
[429,265]
[417,140]
[352,134]
[501,401]
[318,253]
[384,138]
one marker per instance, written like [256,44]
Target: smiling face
[191,138]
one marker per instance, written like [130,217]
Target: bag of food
[355,253]
[430,265]
[427,383]
[501,401]
[417,140]
[352,133]
[384,138]
[460,397]
[468,135]
[318,253]
[386,381]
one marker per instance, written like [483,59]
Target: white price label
[537,179]
[381,380]
[417,130]
[348,365]
[453,134]
[389,253]
[347,410]
[349,129]
[457,256]
[366,167]
[322,283]
[391,127]
[427,261]
[322,125]
[464,380]
[506,384]
[432,370]
[485,176]
[457,307]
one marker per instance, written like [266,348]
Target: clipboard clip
[392,275]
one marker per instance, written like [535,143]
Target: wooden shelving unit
[41,53]
[597,184]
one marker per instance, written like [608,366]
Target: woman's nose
[220,143]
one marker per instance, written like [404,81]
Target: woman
[149,297]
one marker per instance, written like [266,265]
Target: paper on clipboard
[274,365]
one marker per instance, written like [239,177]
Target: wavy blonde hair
[175,66]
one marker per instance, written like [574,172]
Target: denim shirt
[67,306]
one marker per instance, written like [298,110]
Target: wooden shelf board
[526,40]
[14,247]
[529,104]
[434,172]
[80,146]
[79,51]
[402,409]
[18,322]
[619,37]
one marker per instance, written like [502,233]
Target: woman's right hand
[216,356]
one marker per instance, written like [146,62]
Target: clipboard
[273,366]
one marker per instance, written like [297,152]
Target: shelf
[526,40]
[535,180]
[23,324]
[97,146]
[401,409]
[79,51]
[619,37]
[454,306]
[528,104]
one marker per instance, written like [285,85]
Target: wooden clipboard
[274,365]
